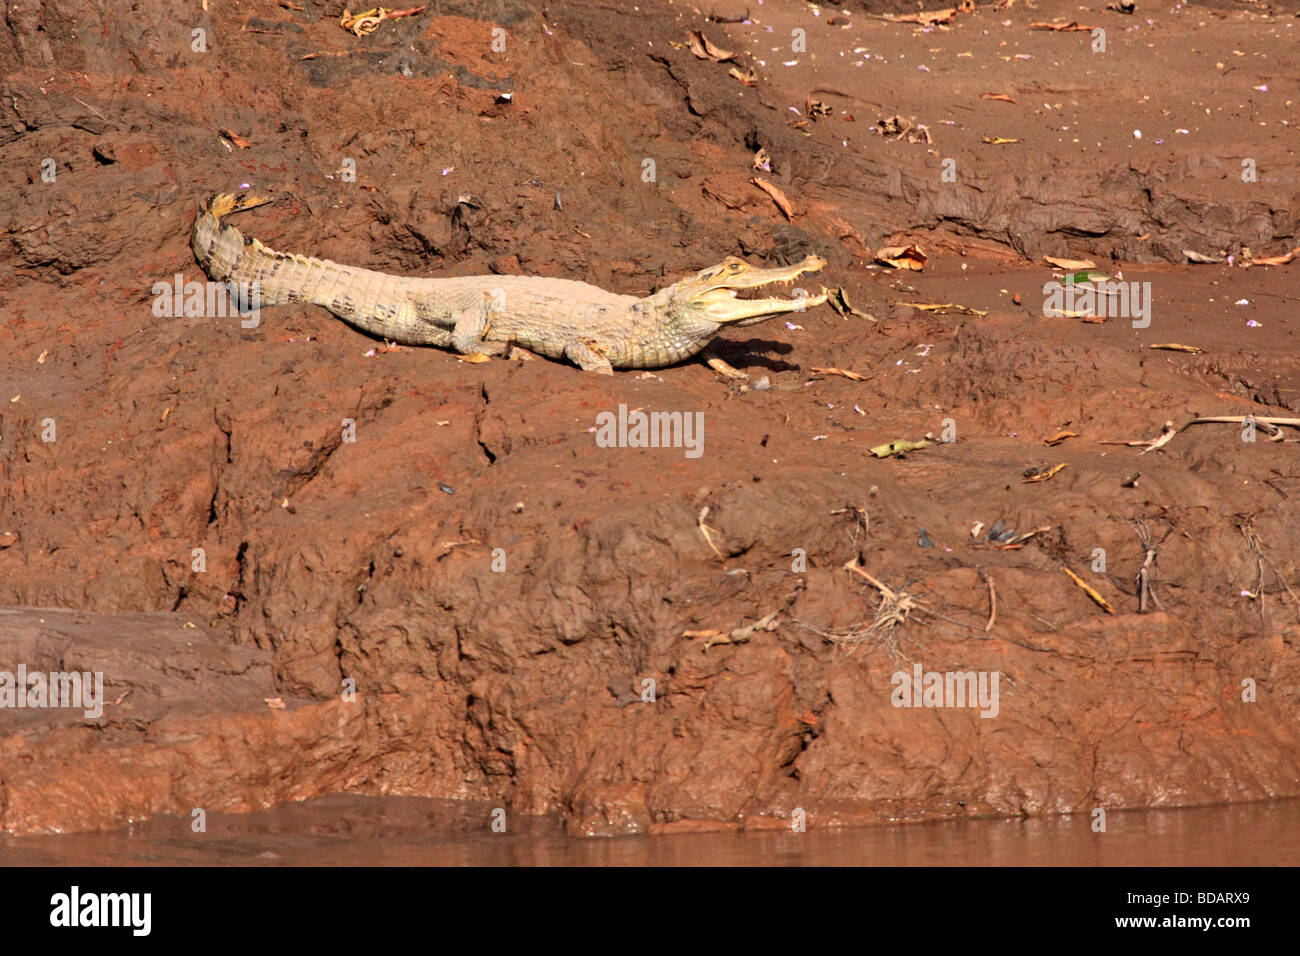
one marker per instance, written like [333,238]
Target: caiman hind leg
[473,325]
[586,356]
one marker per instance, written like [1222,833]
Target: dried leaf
[1196,257]
[1072,27]
[235,138]
[475,358]
[926,19]
[1070,265]
[364,24]
[998,140]
[762,162]
[902,128]
[748,76]
[778,197]
[942,307]
[1000,97]
[1035,475]
[838,301]
[1058,438]
[853,376]
[903,257]
[899,447]
[1175,347]
[705,49]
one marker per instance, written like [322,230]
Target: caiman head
[731,294]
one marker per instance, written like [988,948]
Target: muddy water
[344,830]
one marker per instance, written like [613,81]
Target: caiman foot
[587,358]
[722,368]
[469,335]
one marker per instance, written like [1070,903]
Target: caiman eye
[735,267]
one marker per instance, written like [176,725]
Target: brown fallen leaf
[705,49]
[929,18]
[1019,540]
[852,376]
[1072,27]
[941,307]
[1175,347]
[365,23]
[1070,265]
[1000,97]
[900,447]
[762,162]
[900,127]
[474,358]
[998,140]
[748,76]
[1036,475]
[275,703]
[235,138]
[903,257]
[839,301]
[1058,438]
[778,197]
[816,109]
[1097,599]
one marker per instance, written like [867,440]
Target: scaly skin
[562,319]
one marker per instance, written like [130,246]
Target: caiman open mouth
[737,292]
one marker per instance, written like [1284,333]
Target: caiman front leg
[715,362]
[586,356]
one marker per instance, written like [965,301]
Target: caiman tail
[372,301]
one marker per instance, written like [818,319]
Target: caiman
[597,330]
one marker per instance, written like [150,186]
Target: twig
[737,635]
[1092,592]
[704,530]
[1257,546]
[1146,574]
[993,601]
[92,109]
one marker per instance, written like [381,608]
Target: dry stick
[704,530]
[1147,572]
[993,601]
[1252,539]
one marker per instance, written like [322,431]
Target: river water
[409,831]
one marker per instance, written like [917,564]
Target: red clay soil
[328,560]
